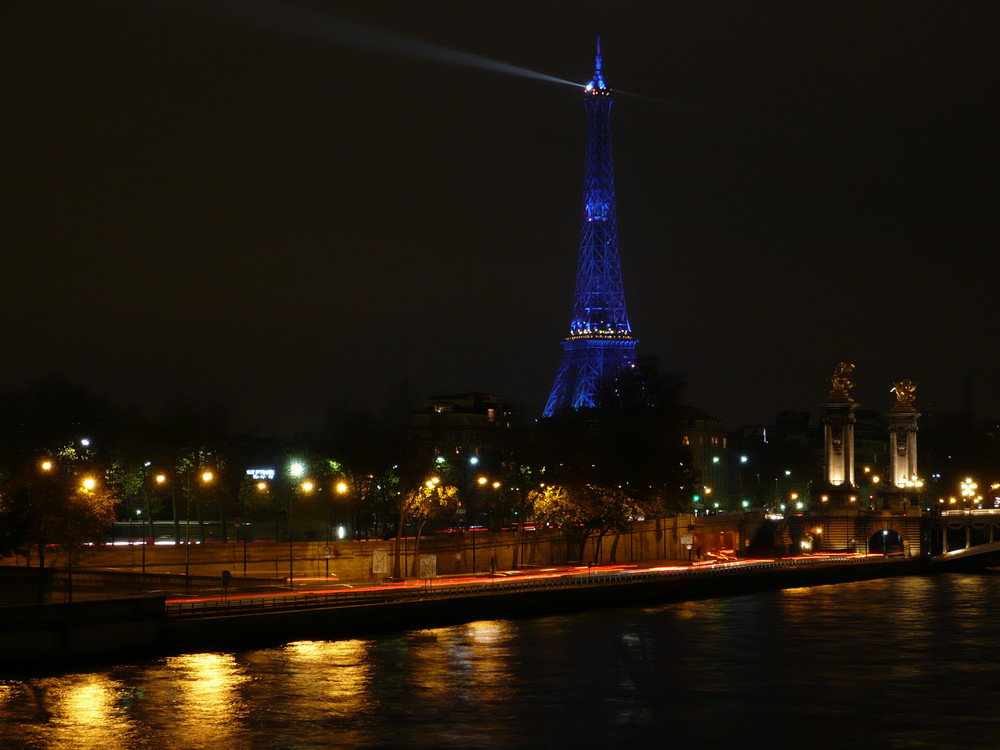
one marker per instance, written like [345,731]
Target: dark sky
[288,204]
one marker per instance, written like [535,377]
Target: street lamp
[968,488]
[305,487]
[87,484]
[206,478]
[147,527]
[482,481]
[341,488]
[262,488]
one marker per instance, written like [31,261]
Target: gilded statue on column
[905,391]
[840,381]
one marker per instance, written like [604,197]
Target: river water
[898,663]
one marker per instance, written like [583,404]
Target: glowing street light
[968,488]
[206,478]
[297,469]
[341,488]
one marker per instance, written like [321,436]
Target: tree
[421,504]
[198,472]
[588,507]
[632,442]
[55,504]
[518,486]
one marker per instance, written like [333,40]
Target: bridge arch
[886,535]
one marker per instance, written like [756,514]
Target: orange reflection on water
[209,701]
[489,658]
[85,711]
[332,677]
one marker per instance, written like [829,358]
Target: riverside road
[317,594]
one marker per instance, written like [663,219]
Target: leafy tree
[422,504]
[592,509]
[433,501]
[55,504]
[199,472]
[131,482]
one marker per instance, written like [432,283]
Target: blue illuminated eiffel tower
[600,343]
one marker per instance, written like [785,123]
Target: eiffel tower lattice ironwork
[600,343]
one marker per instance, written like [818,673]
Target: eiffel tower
[600,343]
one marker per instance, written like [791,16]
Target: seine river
[897,663]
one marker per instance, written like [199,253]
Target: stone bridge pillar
[838,435]
[903,437]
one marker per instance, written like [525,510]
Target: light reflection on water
[205,688]
[907,662]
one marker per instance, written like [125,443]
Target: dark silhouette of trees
[631,443]
[55,501]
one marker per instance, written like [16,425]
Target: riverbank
[58,637]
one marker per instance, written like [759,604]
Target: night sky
[289,205]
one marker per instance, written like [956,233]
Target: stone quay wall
[456,553]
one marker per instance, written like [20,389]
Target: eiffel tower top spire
[600,342]
[597,82]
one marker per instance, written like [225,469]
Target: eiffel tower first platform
[600,343]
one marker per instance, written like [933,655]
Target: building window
[685,440]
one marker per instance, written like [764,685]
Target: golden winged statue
[905,392]
[840,381]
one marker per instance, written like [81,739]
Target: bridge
[952,539]
[966,539]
